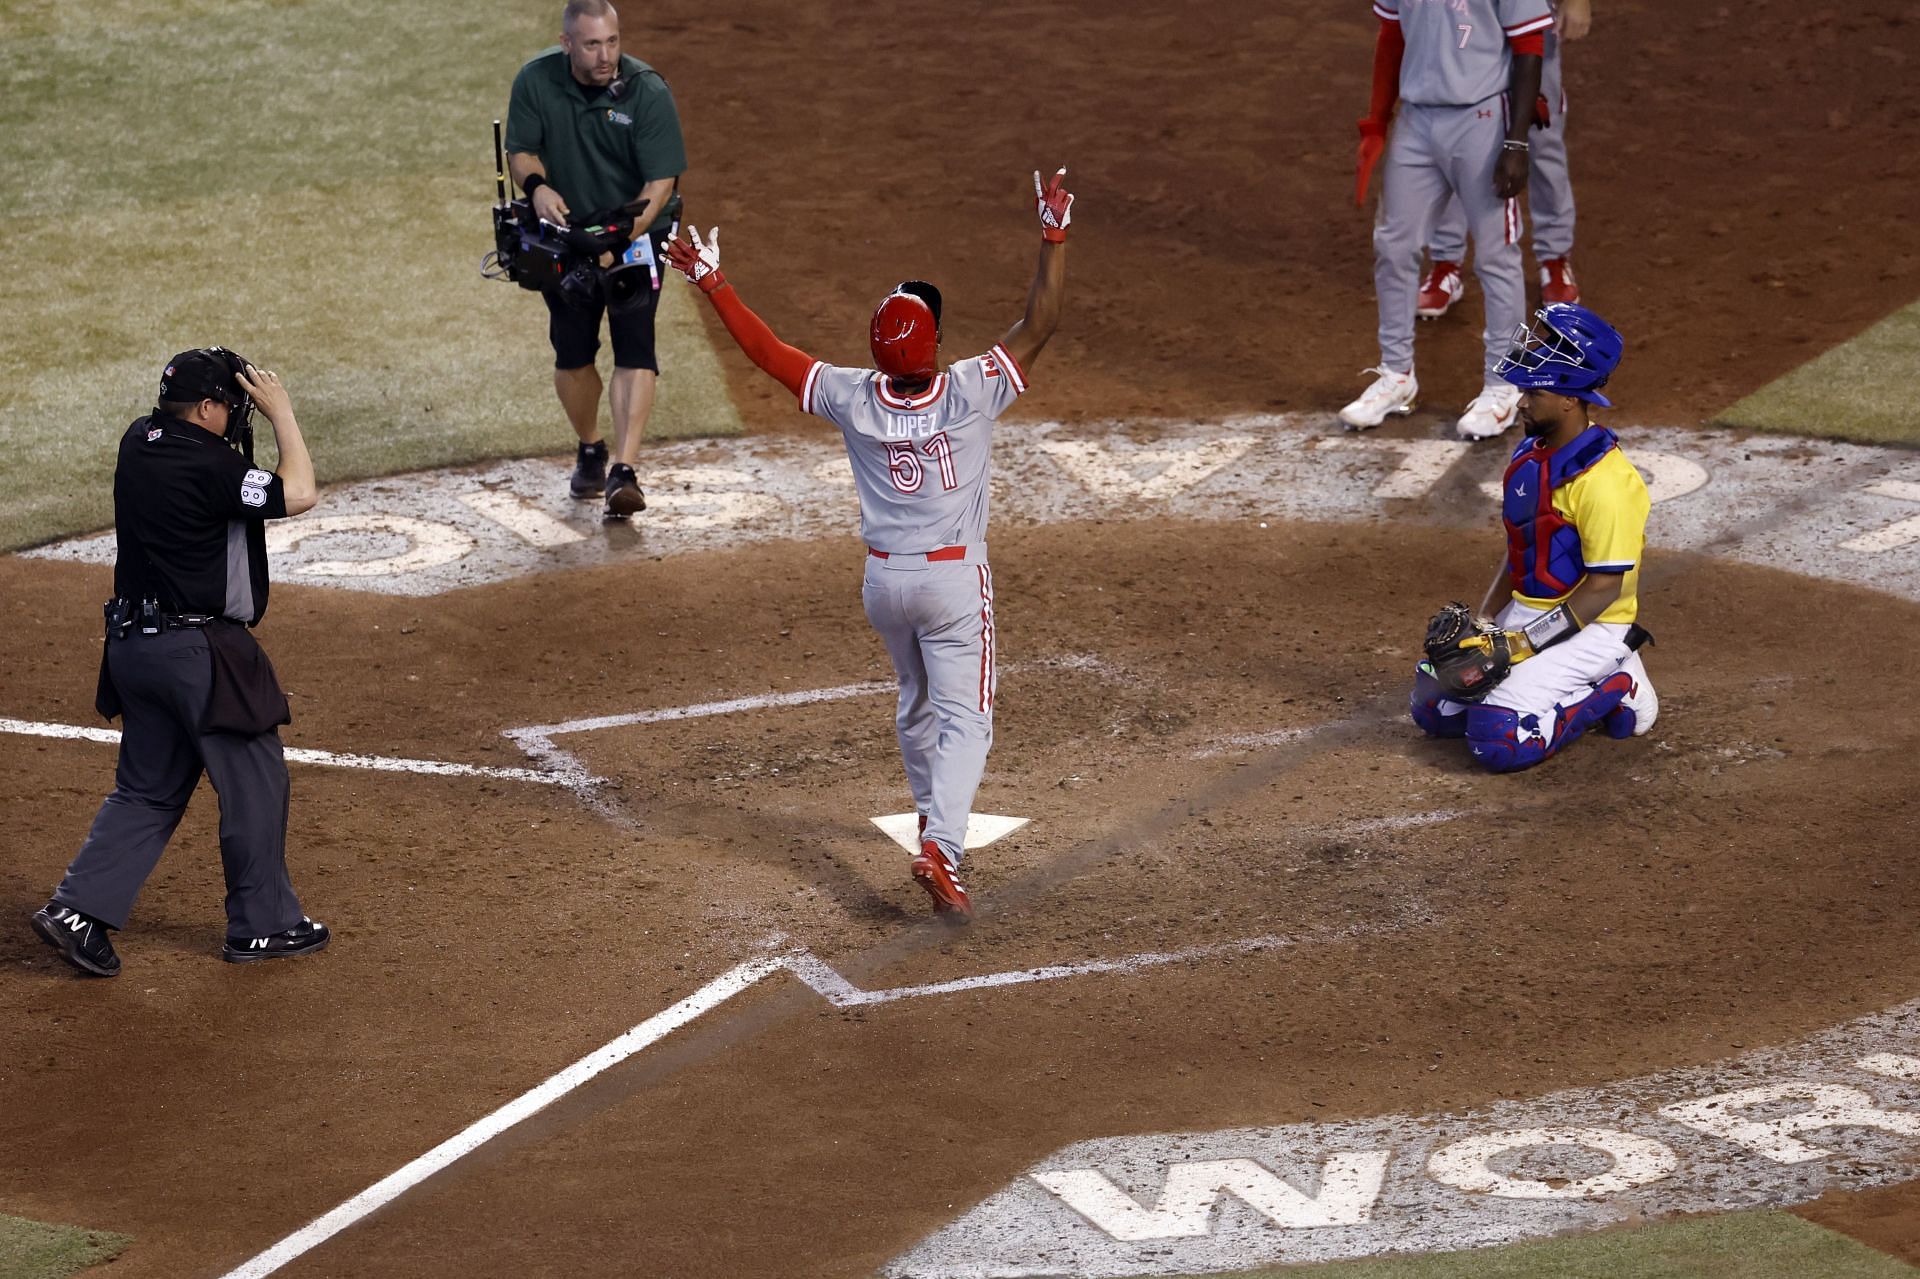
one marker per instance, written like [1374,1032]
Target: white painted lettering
[1892,1065]
[1668,475]
[427,544]
[521,518]
[701,497]
[1895,536]
[1828,1106]
[1349,1186]
[1422,462]
[1148,474]
[1467,1165]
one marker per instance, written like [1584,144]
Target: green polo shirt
[598,151]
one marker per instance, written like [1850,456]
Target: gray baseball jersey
[921,462]
[1457,52]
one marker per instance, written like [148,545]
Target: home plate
[982,829]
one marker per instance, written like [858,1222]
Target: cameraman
[184,670]
[593,135]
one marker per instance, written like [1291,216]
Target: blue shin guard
[1506,741]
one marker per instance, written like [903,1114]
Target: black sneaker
[303,938]
[623,492]
[80,939]
[589,470]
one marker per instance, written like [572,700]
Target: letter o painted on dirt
[428,544]
[1668,475]
[1467,1165]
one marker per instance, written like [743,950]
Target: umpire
[593,137]
[183,668]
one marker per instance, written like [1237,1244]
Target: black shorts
[574,330]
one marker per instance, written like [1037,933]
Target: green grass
[1750,1245]
[1859,390]
[307,182]
[31,1250]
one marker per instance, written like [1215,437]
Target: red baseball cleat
[933,872]
[1557,283]
[1441,288]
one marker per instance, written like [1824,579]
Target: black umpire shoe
[303,938]
[80,939]
[589,470]
[623,492]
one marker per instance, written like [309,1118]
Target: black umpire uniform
[193,687]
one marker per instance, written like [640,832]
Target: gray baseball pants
[164,681]
[937,622]
[1436,153]
[1549,185]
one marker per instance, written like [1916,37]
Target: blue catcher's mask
[1567,350]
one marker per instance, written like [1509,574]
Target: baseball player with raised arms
[920,441]
[1549,190]
[1456,65]
[1563,652]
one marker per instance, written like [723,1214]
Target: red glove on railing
[1055,203]
[698,261]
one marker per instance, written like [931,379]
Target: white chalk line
[303,755]
[837,990]
[569,770]
[814,972]
[477,1134]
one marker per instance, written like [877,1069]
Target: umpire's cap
[205,374]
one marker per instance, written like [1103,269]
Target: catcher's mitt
[1466,656]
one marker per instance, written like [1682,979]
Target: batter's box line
[562,765]
[827,982]
[809,969]
[304,755]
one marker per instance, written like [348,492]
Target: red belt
[933,557]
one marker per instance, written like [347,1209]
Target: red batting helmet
[906,331]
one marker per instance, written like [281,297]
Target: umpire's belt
[124,616]
[939,555]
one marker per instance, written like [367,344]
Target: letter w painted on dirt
[1349,1185]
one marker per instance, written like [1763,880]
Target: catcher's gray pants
[937,622]
[164,681]
[1549,186]
[1436,153]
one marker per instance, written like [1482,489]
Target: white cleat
[1491,413]
[1391,393]
[1639,708]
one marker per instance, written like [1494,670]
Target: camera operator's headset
[198,381]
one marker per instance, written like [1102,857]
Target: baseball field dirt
[1207,730]
[1725,884]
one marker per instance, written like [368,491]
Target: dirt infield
[1660,902]
[1208,731]
[1742,176]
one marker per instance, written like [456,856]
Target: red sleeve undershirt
[1534,42]
[785,364]
[1387,51]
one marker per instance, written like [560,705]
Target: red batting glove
[1055,204]
[699,261]
[1373,144]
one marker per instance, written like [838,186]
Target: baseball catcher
[1554,648]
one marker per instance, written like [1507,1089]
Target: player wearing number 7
[919,440]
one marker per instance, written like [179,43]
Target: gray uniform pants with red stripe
[1549,184]
[937,622]
[1434,154]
